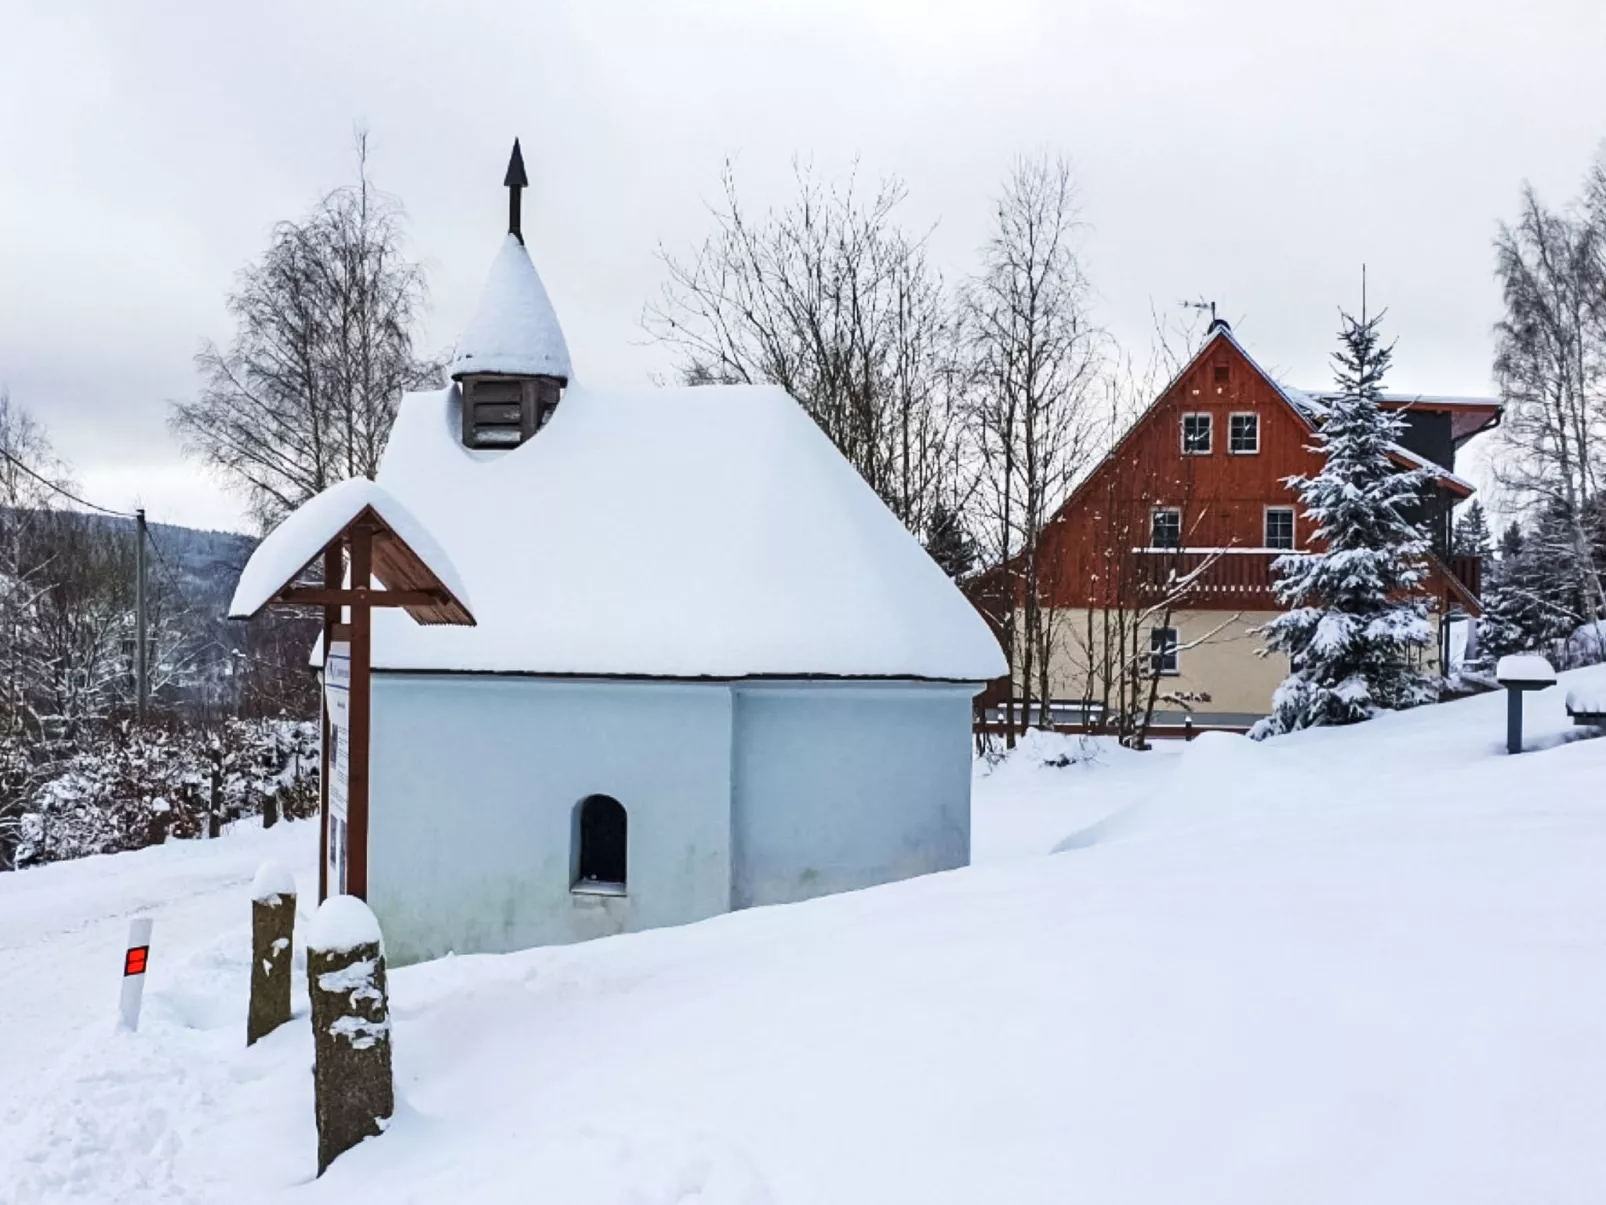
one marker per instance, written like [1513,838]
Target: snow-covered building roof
[1313,407]
[515,329]
[1469,415]
[310,528]
[707,532]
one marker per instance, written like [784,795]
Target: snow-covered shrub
[1586,646]
[128,788]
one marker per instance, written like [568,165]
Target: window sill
[589,888]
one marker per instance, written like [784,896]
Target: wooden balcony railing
[1232,579]
[1245,578]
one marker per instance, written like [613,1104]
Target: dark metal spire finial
[515,182]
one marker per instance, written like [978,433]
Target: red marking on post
[134,962]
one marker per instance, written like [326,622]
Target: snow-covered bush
[1586,646]
[128,788]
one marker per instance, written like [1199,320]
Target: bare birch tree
[1551,367]
[26,468]
[1032,418]
[305,395]
[830,298]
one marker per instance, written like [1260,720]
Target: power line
[156,547]
[65,493]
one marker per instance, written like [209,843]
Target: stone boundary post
[273,927]
[352,1085]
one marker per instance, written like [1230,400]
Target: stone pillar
[352,1086]
[273,927]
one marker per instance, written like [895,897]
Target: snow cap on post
[343,922]
[1524,667]
[515,330]
[272,880]
[1587,701]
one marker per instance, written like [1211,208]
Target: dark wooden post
[362,536]
[273,925]
[354,1094]
[214,807]
[1513,719]
[331,620]
[161,817]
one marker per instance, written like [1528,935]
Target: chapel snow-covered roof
[706,532]
[515,329]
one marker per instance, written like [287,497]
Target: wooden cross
[365,551]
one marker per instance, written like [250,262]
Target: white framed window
[1163,650]
[1196,435]
[1279,527]
[1165,529]
[1243,434]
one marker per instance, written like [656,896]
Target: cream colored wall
[1224,664]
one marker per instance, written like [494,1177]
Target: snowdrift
[1339,966]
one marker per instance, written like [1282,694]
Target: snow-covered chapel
[707,668]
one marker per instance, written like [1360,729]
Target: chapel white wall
[845,785]
[474,783]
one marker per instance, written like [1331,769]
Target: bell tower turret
[511,364]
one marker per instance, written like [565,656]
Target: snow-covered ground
[1359,965]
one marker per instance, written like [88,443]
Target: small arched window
[601,835]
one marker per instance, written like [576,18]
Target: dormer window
[504,411]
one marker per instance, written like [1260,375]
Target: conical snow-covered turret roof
[515,330]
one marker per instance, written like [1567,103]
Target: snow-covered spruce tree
[948,543]
[1357,620]
[1472,536]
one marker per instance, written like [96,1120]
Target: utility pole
[142,667]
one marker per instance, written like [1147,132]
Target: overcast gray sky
[1253,153]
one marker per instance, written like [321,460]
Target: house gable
[1221,495]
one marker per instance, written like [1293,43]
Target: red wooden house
[1167,546]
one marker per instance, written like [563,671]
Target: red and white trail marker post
[134,961]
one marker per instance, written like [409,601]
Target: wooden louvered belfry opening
[504,411]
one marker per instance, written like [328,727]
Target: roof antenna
[515,183]
[1216,324]
[1363,294]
